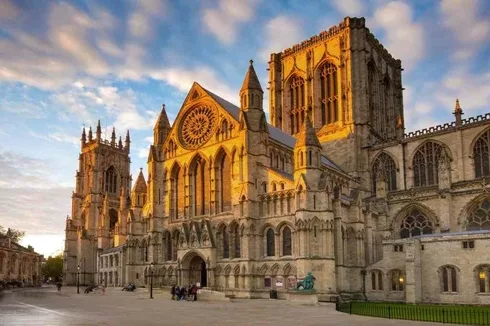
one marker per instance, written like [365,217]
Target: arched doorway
[197,271]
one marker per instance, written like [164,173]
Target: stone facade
[329,186]
[19,264]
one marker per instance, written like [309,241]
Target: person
[177,293]
[172,292]
[58,285]
[189,293]
[194,292]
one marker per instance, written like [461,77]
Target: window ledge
[483,294]
[451,293]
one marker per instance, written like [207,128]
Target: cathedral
[331,184]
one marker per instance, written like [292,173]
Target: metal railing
[467,315]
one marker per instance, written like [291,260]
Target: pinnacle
[140,185]
[457,108]
[307,135]
[251,80]
[162,121]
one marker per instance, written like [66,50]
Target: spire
[84,137]
[251,80]
[458,112]
[98,132]
[162,127]
[307,135]
[120,145]
[127,141]
[90,136]
[113,137]
[457,108]
[140,184]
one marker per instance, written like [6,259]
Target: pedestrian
[194,291]
[172,292]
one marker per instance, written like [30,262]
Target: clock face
[197,126]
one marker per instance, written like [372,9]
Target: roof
[307,135]
[251,80]
[274,132]
[446,234]
[114,249]
[140,185]
[162,121]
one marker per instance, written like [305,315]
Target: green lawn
[467,315]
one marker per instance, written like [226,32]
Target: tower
[349,85]
[251,99]
[98,219]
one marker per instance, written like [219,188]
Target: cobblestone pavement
[47,307]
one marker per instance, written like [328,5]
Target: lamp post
[78,279]
[151,281]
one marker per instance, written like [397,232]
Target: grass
[451,314]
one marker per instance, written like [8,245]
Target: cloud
[404,38]
[8,11]
[280,32]
[144,17]
[349,7]
[223,21]
[469,30]
[182,79]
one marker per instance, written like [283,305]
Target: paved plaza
[47,307]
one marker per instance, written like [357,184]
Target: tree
[15,235]
[53,267]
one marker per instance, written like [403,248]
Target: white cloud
[280,32]
[224,20]
[404,36]
[8,10]
[469,30]
[182,79]
[144,17]
[349,7]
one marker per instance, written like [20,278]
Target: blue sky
[65,64]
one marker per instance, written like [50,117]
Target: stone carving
[198,126]
[307,283]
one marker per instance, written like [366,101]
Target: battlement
[326,34]
[88,143]
[449,126]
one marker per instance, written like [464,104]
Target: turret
[307,151]
[120,145]
[127,142]
[98,132]
[251,98]
[458,112]
[138,194]
[113,137]
[84,138]
[90,136]
[251,93]
[162,128]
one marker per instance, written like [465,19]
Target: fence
[466,315]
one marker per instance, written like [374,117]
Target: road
[46,306]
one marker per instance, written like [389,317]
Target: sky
[66,64]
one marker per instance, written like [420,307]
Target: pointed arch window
[113,217]
[297,103]
[271,243]
[426,163]
[226,243]
[397,280]
[377,281]
[199,191]
[479,217]
[414,224]
[481,155]
[168,247]
[111,180]
[236,242]
[176,186]
[449,280]
[384,167]
[175,245]
[483,278]
[224,184]
[329,93]
[286,241]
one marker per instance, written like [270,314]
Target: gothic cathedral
[331,185]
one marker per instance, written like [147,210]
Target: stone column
[413,274]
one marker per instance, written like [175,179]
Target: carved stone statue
[307,284]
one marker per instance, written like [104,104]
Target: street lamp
[78,279]
[151,281]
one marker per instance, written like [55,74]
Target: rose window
[197,126]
